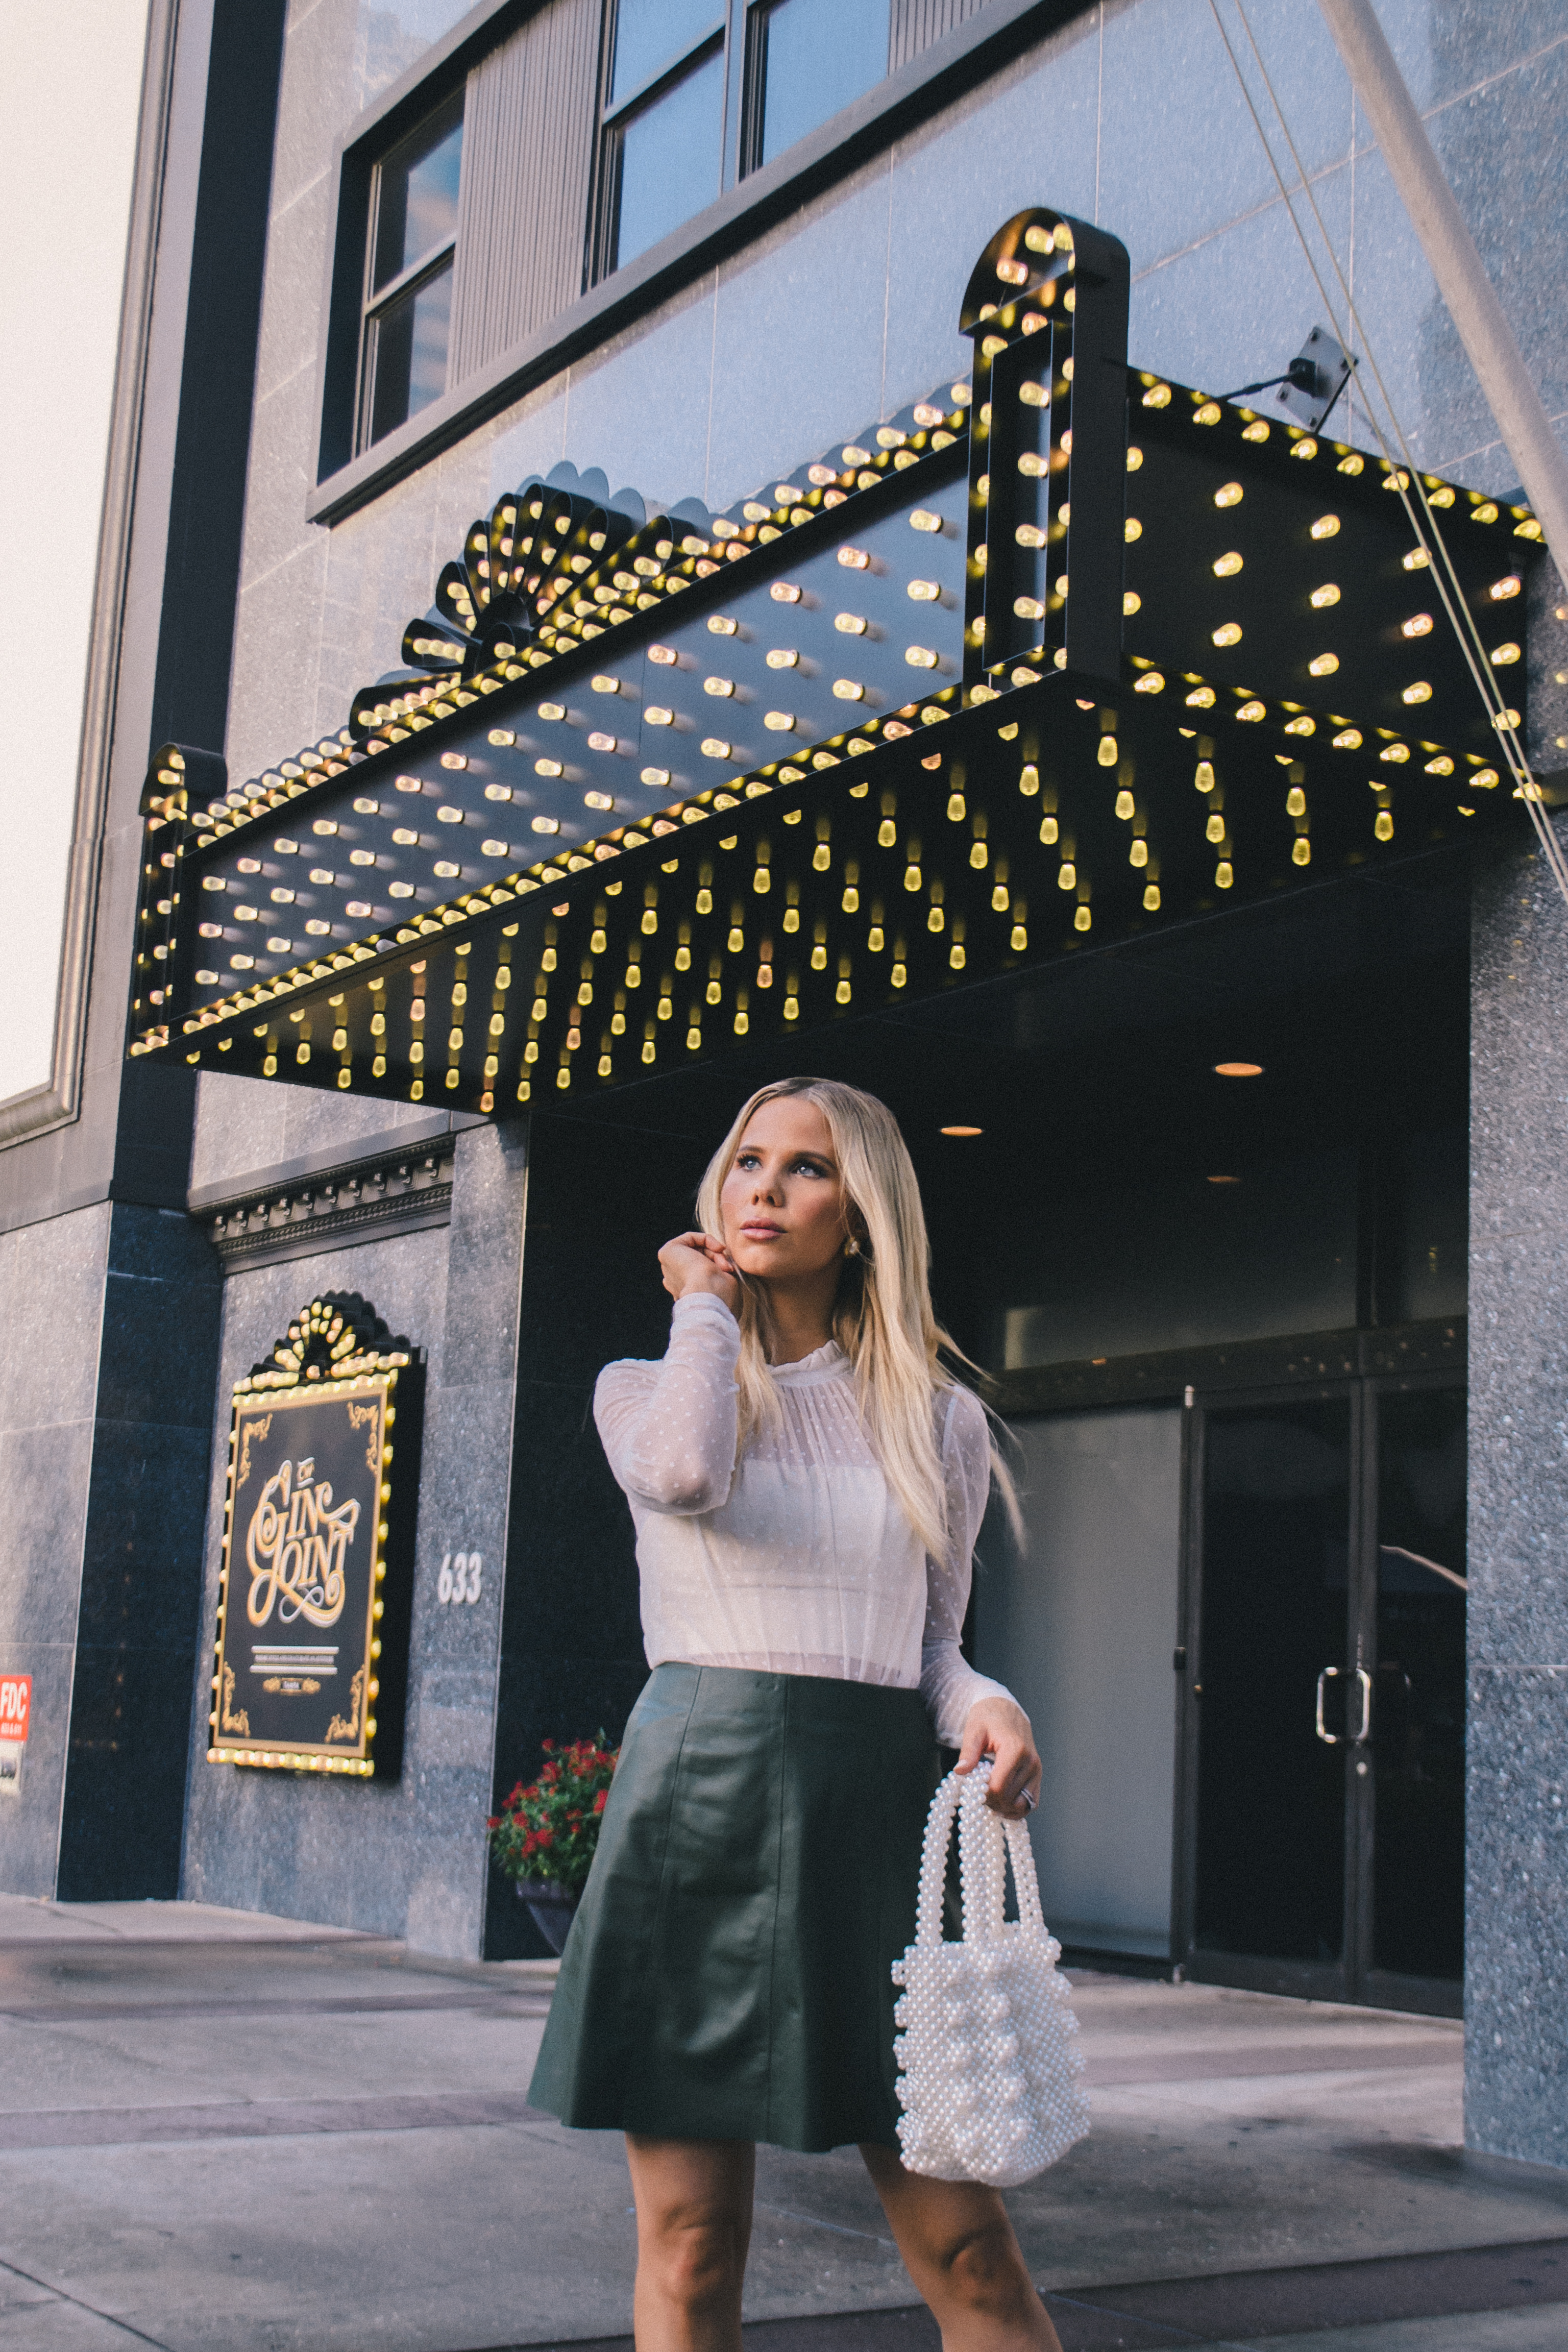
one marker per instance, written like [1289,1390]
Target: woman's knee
[698,2258]
[983,2267]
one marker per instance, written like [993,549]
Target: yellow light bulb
[1203,776]
[1137,854]
[1152,897]
[1301,854]
[1108,753]
[1215,829]
[1125,803]
[1295,802]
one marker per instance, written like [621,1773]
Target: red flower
[599,1802]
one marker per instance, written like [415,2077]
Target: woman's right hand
[696,1262]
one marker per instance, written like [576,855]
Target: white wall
[1081,1629]
[67,163]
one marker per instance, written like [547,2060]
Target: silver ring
[1028,1799]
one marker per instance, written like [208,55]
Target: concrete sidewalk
[222,2133]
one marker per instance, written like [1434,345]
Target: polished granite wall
[1517,1946]
[403,1856]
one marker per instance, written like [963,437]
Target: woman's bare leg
[694,2224]
[959,2248]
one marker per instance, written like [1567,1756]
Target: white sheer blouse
[796,1561]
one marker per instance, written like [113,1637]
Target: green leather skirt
[727,1976]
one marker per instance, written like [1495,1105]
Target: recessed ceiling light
[1239,1069]
[964,1130]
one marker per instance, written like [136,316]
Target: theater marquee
[312,1604]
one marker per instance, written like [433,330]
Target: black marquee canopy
[1062,655]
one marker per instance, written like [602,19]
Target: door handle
[1364,1679]
[1329,1738]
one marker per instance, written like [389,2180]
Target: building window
[810,58]
[411,248]
[670,74]
[663,124]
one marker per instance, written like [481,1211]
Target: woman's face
[783,1202]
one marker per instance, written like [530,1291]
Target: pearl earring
[851,1247]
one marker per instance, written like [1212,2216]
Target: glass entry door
[1323,1685]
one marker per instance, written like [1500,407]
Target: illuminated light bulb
[761,882]
[1485,512]
[1157,396]
[911,878]
[821,857]
[1028,608]
[1152,897]
[1416,560]
[924,591]
[1503,722]
[547,767]
[1302,726]
[1486,778]
[1203,776]
[1225,567]
[1295,802]
[1501,655]
[850,902]
[1125,803]
[1215,829]
[898,975]
[1082,919]
[923,519]
[1325,595]
[1222,876]
[1348,739]
[1326,526]
[1323,665]
[693,1038]
[979,855]
[1397,753]
[1301,853]
[1383,824]
[1420,692]
[1209,413]
[1066,875]
[1255,431]
[791,919]
[936,920]
[1137,854]
[1229,494]
[920,656]
[874,940]
[1419,624]
[1252,712]
[1131,603]
[1108,753]
[704,904]
[736,942]
[848,689]
[1000,902]
[1501,588]
[715,992]
[792,1008]
[1441,766]
[819,958]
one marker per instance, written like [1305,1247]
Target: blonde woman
[806,1484]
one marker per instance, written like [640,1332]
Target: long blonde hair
[882,1318]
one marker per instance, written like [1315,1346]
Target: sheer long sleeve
[949,1683]
[669,1428]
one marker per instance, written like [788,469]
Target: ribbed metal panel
[528,146]
[916,24]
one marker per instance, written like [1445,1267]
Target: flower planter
[552,1908]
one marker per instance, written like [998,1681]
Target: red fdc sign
[16,1705]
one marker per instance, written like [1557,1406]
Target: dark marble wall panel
[122,1815]
[405,1855]
[600,1200]
[1517,1950]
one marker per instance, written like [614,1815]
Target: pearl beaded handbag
[988,2055]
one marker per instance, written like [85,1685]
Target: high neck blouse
[797,1558]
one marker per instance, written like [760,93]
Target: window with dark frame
[668,72]
[410,251]
[534,165]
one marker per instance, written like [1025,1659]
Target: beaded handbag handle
[984,1840]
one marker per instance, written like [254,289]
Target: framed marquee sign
[316,1552]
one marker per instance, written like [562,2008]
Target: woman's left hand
[999,1728]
